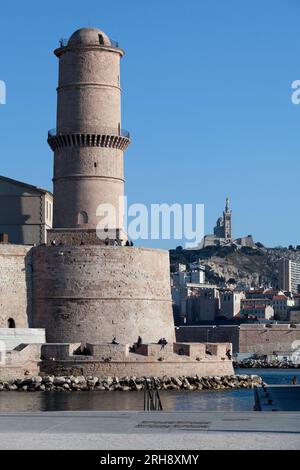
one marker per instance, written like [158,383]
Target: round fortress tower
[84,290]
[88,142]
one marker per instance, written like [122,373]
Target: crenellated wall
[148,360]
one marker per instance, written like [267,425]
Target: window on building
[101,39]
[11,323]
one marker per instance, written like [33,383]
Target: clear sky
[206,97]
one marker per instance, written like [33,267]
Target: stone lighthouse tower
[88,142]
[87,287]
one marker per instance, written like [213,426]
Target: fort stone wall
[261,339]
[15,286]
[257,338]
[92,293]
[106,360]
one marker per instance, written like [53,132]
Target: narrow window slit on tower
[101,39]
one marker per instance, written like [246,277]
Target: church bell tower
[227,221]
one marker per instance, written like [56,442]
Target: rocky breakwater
[265,364]
[76,384]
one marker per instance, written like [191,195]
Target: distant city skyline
[207,99]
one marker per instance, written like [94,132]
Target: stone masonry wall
[148,359]
[215,334]
[15,285]
[256,339]
[139,369]
[24,361]
[92,293]
[262,340]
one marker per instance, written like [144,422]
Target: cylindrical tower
[86,289]
[88,142]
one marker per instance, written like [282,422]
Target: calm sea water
[231,400]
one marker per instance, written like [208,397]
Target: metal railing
[114,43]
[151,396]
[102,130]
[63,42]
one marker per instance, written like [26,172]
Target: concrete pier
[150,430]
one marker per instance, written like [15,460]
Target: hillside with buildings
[234,279]
[226,257]
[248,266]
[233,283]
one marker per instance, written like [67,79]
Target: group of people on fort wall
[162,341]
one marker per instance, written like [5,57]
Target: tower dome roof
[89,37]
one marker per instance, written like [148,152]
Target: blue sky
[206,97]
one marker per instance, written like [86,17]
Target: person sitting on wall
[114,340]
[127,243]
[294,380]
[228,354]
[106,241]
[106,359]
[132,348]
[131,243]
[208,352]
[53,242]
[163,342]
[139,341]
